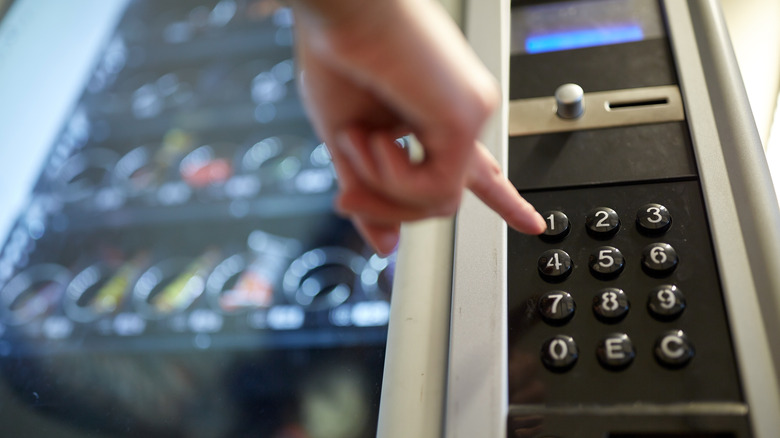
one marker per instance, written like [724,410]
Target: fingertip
[383,238]
[538,224]
[527,220]
[387,243]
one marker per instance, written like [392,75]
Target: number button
[557,307]
[559,353]
[557,225]
[606,262]
[666,302]
[554,265]
[610,305]
[653,219]
[673,349]
[602,222]
[615,351]
[659,259]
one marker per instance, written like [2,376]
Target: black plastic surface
[704,319]
[555,425]
[615,67]
[624,154]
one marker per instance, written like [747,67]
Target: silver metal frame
[604,109]
[739,195]
[477,399]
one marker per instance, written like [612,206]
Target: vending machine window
[176,268]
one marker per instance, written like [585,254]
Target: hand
[372,71]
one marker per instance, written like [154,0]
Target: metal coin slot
[606,109]
[635,104]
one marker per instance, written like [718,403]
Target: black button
[610,305]
[602,222]
[653,219]
[557,225]
[666,302]
[659,259]
[615,351]
[554,265]
[557,307]
[559,353]
[606,262]
[673,349]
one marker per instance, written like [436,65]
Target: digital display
[577,39]
[179,270]
[553,27]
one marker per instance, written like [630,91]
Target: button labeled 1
[557,225]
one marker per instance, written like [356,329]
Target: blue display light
[578,39]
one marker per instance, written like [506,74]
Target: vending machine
[171,264]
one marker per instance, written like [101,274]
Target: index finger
[485,179]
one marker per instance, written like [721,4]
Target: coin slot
[637,103]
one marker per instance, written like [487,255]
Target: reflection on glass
[33,292]
[179,265]
[173,284]
[100,289]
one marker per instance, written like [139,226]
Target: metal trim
[603,109]
[710,117]
[671,409]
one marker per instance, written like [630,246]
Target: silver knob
[569,100]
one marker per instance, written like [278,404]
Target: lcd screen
[558,26]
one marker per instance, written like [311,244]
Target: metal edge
[537,115]
[477,399]
[414,377]
[723,181]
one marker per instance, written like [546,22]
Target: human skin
[372,71]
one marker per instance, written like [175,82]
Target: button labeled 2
[602,222]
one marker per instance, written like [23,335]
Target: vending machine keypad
[624,307]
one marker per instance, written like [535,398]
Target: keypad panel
[626,306]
